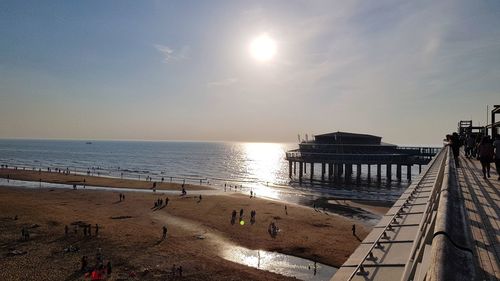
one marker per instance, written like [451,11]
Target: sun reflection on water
[264,162]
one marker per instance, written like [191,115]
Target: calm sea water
[258,166]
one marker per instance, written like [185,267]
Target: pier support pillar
[330,171]
[312,170]
[419,168]
[408,172]
[322,171]
[348,172]
[369,168]
[290,169]
[389,172]
[341,169]
[294,167]
[379,172]
[398,172]
[300,171]
[304,168]
[358,172]
[336,172]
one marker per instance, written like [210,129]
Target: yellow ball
[242,222]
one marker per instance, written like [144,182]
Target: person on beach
[180,270]
[486,153]
[199,199]
[251,193]
[108,268]
[96,229]
[84,264]
[353,230]
[241,213]
[164,233]
[233,217]
[174,269]
[166,201]
[286,210]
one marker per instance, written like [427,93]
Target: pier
[341,156]
[445,226]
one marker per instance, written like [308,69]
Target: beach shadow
[359,239]
[75,276]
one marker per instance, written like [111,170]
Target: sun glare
[263,48]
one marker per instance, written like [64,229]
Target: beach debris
[200,236]
[16,253]
[71,249]
[121,217]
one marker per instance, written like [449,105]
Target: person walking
[485,155]
[496,145]
[164,233]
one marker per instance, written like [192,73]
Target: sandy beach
[199,234]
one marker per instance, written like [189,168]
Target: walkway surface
[482,208]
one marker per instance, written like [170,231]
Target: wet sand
[130,231]
[54,177]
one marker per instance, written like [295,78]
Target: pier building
[341,156]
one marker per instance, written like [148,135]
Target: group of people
[177,271]
[87,230]
[159,203]
[273,229]
[100,271]
[482,147]
[122,197]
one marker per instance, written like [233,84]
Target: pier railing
[441,247]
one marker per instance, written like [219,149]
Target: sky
[182,70]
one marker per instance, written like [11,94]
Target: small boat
[89,142]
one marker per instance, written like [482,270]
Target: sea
[259,167]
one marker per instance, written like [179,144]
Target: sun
[263,48]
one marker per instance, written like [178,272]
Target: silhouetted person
[496,145]
[486,153]
[164,233]
[455,144]
[353,230]
[96,229]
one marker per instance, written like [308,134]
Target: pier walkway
[445,226]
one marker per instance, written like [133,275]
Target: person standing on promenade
[485,155]
[455,147]
[496,145]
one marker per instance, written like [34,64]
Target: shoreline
[80,180]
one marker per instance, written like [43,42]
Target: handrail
[417,245]
[451,241]
[393,218]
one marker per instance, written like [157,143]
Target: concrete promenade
[445,226]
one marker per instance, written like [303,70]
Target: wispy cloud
[170,55]
[223,82]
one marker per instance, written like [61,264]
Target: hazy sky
[182,70]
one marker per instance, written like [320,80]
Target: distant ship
[89,142]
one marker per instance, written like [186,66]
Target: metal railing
[359,270]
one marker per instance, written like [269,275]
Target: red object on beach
[96,275]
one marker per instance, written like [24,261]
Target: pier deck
[482,202]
